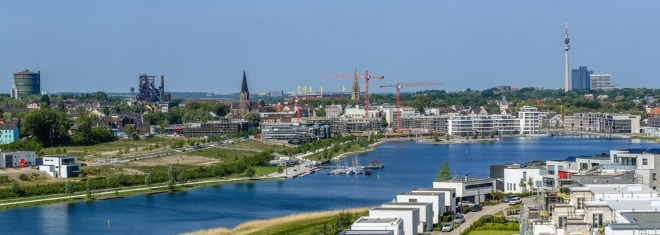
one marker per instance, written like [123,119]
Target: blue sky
[204,45]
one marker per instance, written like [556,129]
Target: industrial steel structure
[147,90]
[26,83]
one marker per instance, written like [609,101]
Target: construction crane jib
[366,78]
[398,114]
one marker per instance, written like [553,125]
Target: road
[473,216]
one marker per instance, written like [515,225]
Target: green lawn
[494,232]
[221,153]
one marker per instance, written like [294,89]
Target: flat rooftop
[377,220]
[625,189]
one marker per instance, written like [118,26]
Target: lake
[408,165]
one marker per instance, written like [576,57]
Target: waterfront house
[425,213]
[376,226]
[410,217]
[436,198]
[469,189]
[450,196]
[60,166]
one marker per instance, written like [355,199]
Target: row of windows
[473,186]
[511,187]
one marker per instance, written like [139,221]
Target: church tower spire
[245,95]
[355,90]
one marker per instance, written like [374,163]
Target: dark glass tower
[580,78]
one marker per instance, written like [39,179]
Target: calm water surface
[407,165]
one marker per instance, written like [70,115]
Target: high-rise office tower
[601,81]
[581,78]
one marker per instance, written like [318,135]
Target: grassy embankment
[127,179]
[301,224]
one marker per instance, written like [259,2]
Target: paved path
[473,216]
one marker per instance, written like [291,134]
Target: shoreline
[255,226]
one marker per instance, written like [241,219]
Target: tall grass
[305,223]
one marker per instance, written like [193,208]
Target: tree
[530,183]
[88,189]
[249,172]
[48,126]
[444,173]
[522,184]
[16,188]
[69,188]
[171,172]
[252,119]
[435,136]
[171,185]
[182,177]
[149,179]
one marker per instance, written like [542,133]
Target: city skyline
[205,45]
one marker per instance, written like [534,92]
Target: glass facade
[581,78]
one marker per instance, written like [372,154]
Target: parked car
[508,198]
[515,201]
[466,203]
[459,219]
[476,207]
[447,227]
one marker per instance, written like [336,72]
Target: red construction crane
[398,86]
[366,77]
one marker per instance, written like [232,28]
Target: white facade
[425,213]
[450,196]
[410,217]
[529,120]
[601,81]
[470,189]
[364,223]
[436,198]
[513,177]
[60,166]
[17,159]
[644,163]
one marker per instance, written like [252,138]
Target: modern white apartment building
[60,166]
[601,81]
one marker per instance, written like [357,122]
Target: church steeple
[244,87]
[245,96]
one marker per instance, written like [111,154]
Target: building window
[580,203]
[562,221]
[654,176]
[645,161]
[598,221]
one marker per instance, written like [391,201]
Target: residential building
[529,120]
[17,159]
[437,199]
[295,132]
[60,166]
[642,161]
[333,111]
[517,179]
[620,123]
[469,189]
[410,217]
[581,78]
[210,128]
[376,226]
[425,213]
[9,133]
[450,196]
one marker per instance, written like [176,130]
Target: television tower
[567,46]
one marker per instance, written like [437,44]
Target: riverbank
[303,223]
